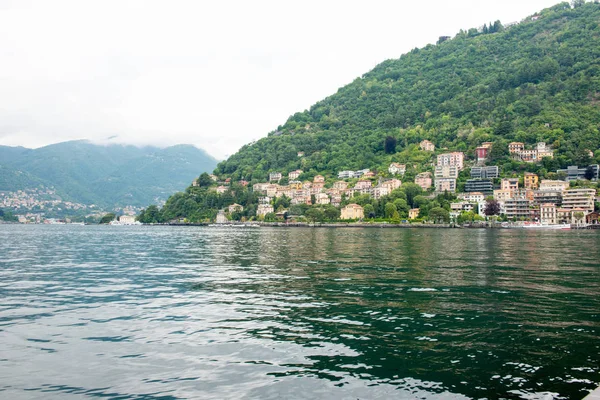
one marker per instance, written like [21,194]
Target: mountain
[538,80]
[106,175]
[535,81]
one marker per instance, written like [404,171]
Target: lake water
[226,313]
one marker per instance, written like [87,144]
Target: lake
[274,313]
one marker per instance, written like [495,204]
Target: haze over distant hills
[106,175]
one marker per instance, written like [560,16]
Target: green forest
[536,81]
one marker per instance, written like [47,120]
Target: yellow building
[413,213]
[530,181]
[352,211]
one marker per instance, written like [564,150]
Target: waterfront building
[413,213]
[548,213]
[592,218]
[485,172]
[479,185]
[397,169]
[582,199]
[264,209]
[352,211]
[426,145]
[530,181]
[517,208]
[445,184]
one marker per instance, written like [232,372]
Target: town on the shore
[524,199]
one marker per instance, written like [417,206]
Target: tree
[396,218]
[390,145]
[270,217]
[204,180]
[578,216]
[369,211]
[315,215]
[332,213]
[411,190]
[390,209]
[439,215]
[590,173]
[108,218]
[492,207]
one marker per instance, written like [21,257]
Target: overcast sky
[217,74]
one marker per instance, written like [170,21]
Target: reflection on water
[157,312]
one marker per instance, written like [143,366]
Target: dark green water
[220,313]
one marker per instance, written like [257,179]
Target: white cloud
[215,74]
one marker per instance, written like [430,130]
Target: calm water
[220,313]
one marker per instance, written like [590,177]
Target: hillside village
[571,199]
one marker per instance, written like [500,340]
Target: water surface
[224,313]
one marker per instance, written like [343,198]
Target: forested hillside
[536,81]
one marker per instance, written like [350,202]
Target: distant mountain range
[105,175]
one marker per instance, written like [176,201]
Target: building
[125,219]
[481,153]
[295,174]
[485,172]
[322,198]
[582,199]
[473,197]
[360,185]
[214,177]
[479,185]
[570,215]
[264,209]
[413,213]
[503,194]
[295,185]
[359,173]
[554,186]
[392,184]
[352,211]
[548,213]
[543,151]
[510,184]
[426,145]
[221,189]
[445,185]
[547,196]
[424,180]
[380,191]
[574,173]
[516,147]
[530,181]
[340,185]
[221,218]
[517,208]
[195,182]
[319,179]
[454,159]
[274,176]
[397,169]
[446,171]
[592,218]
[235,208]
[345,174]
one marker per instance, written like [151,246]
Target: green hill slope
[536,81]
